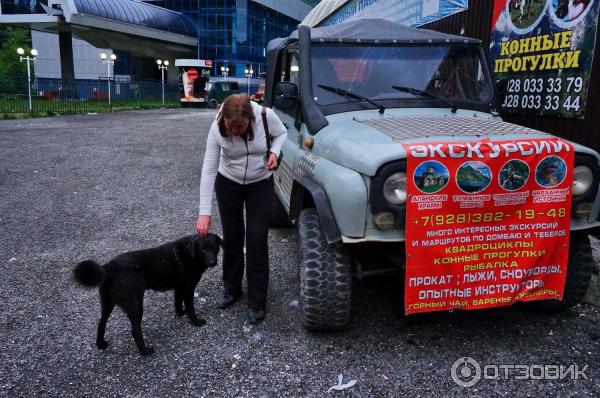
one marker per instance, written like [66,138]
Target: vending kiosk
[194,75]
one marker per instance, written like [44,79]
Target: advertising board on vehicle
[487,223]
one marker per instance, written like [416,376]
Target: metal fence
[78,96]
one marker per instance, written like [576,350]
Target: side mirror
[285,96]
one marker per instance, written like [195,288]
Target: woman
[238,166]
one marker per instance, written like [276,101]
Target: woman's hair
[236,107]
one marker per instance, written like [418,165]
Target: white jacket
[237,159]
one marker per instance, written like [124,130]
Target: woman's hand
[272,163]
[203,226]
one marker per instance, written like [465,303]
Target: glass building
[234,33]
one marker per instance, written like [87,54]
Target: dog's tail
[89,273]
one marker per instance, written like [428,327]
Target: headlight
[583,178]
[394,188]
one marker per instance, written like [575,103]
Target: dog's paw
[147,351]
[199,322]
[102,344]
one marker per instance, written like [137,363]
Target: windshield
[455,73]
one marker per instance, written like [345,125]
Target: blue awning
[138,13]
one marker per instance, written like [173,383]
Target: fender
[319,198]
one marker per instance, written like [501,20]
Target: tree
[11,39]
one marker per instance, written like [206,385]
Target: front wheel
[579,272]
[325,277]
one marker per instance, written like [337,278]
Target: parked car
[218,91]
[332,88]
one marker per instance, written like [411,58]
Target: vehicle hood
[364,141]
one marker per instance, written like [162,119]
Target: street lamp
[108,61]
[163,65]
[34,53]
[249,73]
[225,71]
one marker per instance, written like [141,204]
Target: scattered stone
[258,336]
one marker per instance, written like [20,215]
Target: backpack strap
[266,127]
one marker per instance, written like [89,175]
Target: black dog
[177,265]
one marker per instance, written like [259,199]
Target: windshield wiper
[421,93]
[348,93]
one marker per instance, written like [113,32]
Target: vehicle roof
[380,30]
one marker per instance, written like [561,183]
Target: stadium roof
[130,25]
[138,13]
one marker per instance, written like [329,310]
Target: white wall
[86,56]
[48,59]
[88,64]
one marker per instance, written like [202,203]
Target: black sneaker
[227,301]
[255,316]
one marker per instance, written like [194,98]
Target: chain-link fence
[58,96]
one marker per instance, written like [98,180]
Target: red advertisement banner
[487,223]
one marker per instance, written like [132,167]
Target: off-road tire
[325,277]
[279,217]
[579,272]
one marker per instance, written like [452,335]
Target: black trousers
[257,198]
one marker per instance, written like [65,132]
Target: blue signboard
[405,12]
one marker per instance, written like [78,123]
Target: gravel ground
[94,186]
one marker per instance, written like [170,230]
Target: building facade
[235,33]
[231,33]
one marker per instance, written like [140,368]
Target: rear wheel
[325,277]
[579,272]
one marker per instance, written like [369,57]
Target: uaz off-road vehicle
[350,95]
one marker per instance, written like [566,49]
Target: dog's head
[207,248]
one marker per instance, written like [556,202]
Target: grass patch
[19,108]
